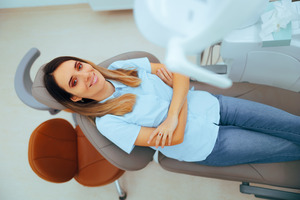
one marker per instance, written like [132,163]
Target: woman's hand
[164,131]
[165,75]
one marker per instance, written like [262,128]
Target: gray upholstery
[41,94]
[23,82]
[280,174]
[286,174]
[136,160]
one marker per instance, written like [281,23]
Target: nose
[85,76]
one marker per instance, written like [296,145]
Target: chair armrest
[136,160]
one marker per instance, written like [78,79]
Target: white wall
[35,3]
[99,5]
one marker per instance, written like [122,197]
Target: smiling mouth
[94,80]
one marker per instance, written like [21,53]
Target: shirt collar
[118,86]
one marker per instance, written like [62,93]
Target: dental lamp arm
[176,61]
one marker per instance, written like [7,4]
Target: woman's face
[80,79]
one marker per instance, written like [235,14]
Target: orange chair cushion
[93,169]
[52,151]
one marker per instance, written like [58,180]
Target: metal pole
[121,192]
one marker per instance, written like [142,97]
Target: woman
[133,106]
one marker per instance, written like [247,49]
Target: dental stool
[286,174]
[57,153]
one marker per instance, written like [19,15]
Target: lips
[93,80]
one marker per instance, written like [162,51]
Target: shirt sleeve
[138,63]
[118,131]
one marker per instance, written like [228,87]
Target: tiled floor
[78,31]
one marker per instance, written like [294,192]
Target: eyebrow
[72,76]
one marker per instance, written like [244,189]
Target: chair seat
[285,174]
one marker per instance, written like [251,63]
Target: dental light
[189,26]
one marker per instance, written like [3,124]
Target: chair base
[121,192]
[266,193]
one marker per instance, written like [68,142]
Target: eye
[74,82]
[79,66]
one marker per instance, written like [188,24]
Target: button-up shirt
[153,98]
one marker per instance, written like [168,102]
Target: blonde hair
[117,106]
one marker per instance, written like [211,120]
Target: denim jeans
[251,132]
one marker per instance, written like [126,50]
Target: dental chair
[285,175]
[57,153]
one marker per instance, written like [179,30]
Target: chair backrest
[57,153]
[140,156]
[93,168]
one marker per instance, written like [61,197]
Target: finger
[158,138]
[154,133]
[163,141]
[167,73]
[170,73]
[170,139]
[168,79]
[160,74]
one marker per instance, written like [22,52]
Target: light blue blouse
[150,110]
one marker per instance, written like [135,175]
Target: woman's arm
[145,132]
[180,89]
[166,129]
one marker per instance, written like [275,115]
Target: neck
[109,89]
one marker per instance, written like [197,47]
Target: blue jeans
[251,132]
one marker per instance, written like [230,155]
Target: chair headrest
[40,92]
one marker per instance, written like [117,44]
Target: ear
[76,98]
